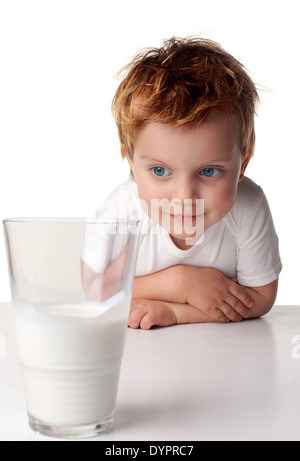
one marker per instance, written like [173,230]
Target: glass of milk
[71,284]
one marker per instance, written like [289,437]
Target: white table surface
[237,381]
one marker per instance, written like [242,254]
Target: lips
[185,217]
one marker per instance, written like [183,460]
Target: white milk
[70,357]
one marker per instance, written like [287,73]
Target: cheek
[146,195]
[222,197]
[148,191]
[153,200]
[228,195]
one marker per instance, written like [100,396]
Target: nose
[185,189]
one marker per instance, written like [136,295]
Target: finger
[220,316]
[239,292]
[238,307]
[146,322]
[230,312]
[136,314]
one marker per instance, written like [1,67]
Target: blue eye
[210,172]
[160,171]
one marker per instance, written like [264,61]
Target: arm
[208,290]
[195,295]
[249,302]
[165,288]
[165,285]
[99,287]
[263,298]
[147,313]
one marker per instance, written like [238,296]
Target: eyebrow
[211,162]
[219,160]
[151,159]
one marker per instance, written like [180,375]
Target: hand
[145,313]
[217,296]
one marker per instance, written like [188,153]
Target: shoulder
[123,202]
[250,210]
[258,250]
[127,189]
[248,195]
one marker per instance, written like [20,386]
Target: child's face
[184,165]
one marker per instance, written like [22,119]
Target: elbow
[264,298]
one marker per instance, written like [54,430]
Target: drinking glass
[71,284]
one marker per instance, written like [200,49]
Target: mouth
[188,218]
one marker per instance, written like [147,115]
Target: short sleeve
[100,247]
[259,260]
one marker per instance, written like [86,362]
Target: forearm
[263,298]
[164,285]
[204,288]
[188,314]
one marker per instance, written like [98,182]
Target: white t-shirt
[243,244]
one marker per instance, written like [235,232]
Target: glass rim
[70,220]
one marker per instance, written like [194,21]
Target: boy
[208,250]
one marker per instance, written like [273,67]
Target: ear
[245,164]
[127,156]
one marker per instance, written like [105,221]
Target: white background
[59,149]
